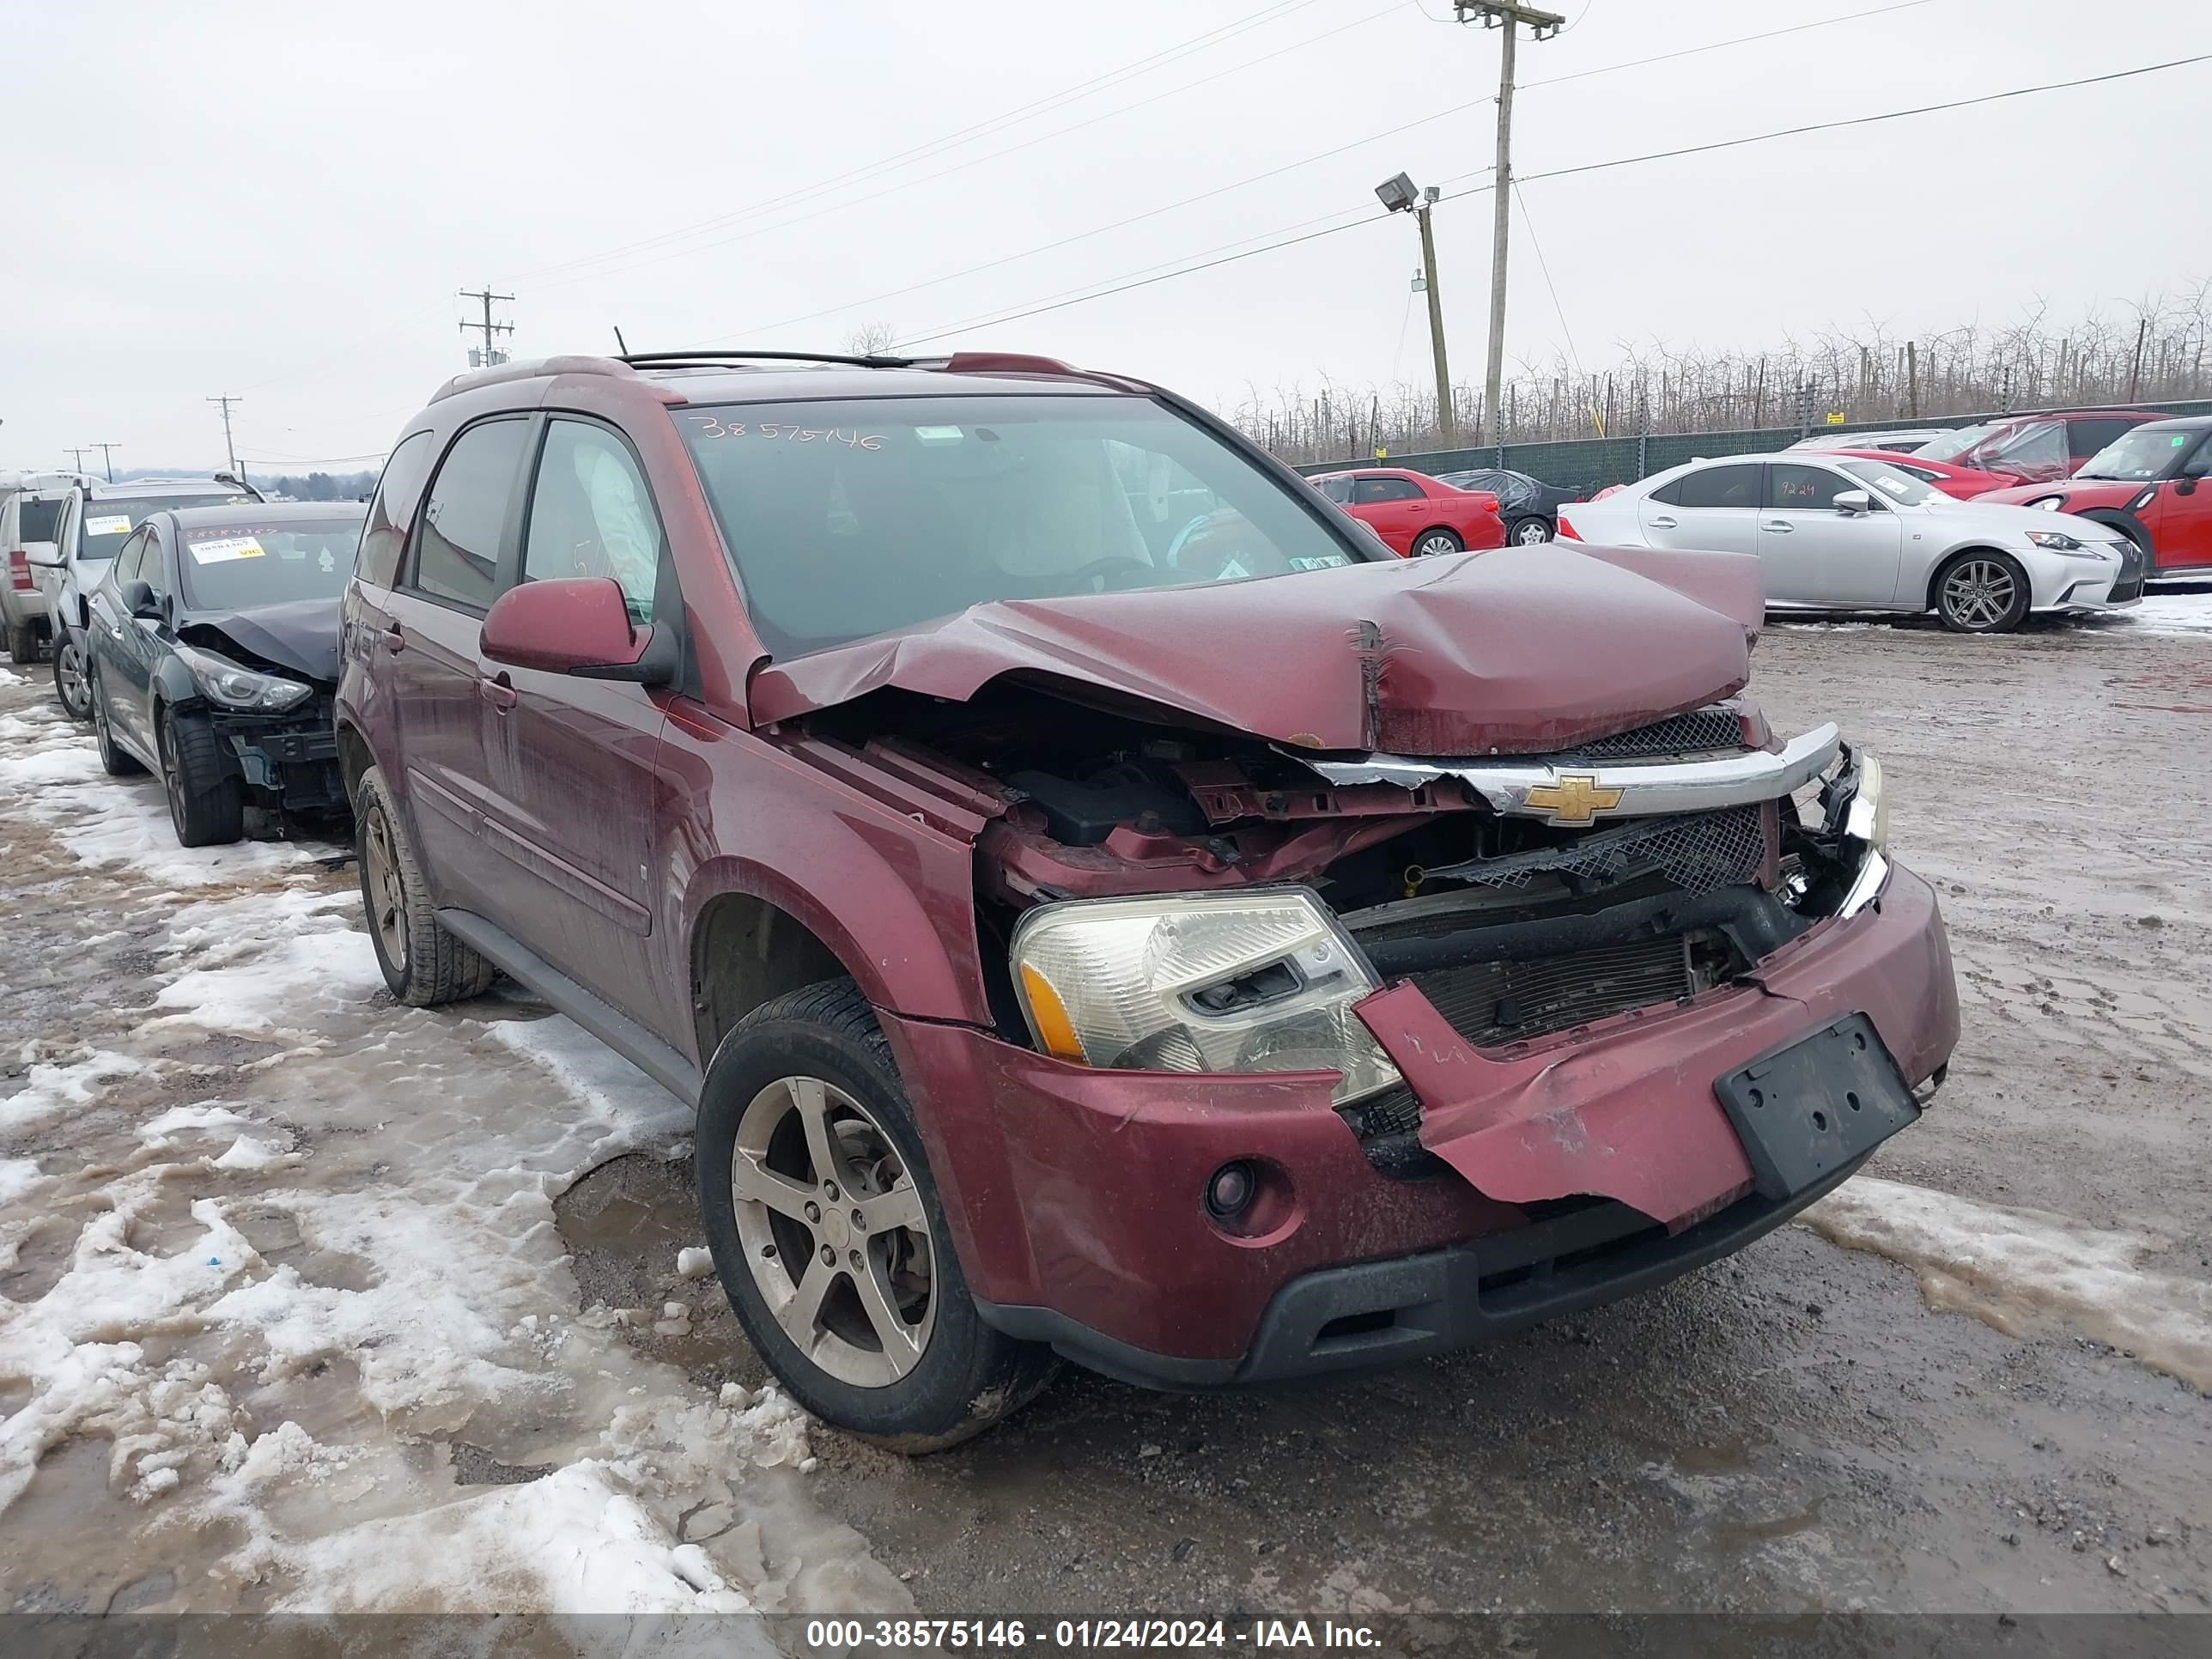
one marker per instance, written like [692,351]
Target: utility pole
[76,455]
[107,458]
[1399,195]
[229,448]
[1509,14]
[488,356]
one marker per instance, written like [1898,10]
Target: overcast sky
[281,202]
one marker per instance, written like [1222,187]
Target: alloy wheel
[1978,594]
[1431,544]
[1531,532]
[173,782]
[68,676]
[833,1231]
[388,914]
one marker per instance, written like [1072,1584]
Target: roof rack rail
[873,360]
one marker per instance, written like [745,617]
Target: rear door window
[464,522]
[38,518]
[1713,486]
[1368,492]
[1337,489]
[2085,438]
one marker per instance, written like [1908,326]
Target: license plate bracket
[1811,1106]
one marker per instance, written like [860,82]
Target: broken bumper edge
[1375,1313]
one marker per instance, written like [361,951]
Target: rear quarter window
[398,492]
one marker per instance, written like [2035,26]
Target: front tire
[1439,540]
[828,1235]
[1981,591]
[206,801]
[423,964]
[1528,532]
[113,760]
[72,690]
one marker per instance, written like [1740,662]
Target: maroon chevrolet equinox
[1100,903]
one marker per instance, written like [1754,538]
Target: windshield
[1952,445]
[1899,486]
[849,518]
[104,523]
[237,566]
[2145,452]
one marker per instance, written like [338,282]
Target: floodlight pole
[1509,14]
[1445,424]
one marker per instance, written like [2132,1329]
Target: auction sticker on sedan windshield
[225,548]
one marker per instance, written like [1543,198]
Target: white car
[1862,535]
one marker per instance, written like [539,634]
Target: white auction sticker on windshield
[108,524]
[223,550]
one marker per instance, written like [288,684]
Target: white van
[31,507]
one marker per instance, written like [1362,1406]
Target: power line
[905,184]
[755,331]
[1557,310]
[951,140]
[995,319]
[1716,45]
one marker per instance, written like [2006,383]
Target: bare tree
[2153,350]
[871,339]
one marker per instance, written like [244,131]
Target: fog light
[1229,1194]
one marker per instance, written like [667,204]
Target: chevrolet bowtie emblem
[1575,798]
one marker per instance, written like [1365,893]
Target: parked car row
[1105,899]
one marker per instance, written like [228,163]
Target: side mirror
[576,625]
[2184,486]
[1852,503]
[139,600]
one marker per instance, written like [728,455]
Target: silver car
[1861,535]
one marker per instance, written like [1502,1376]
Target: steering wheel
[1099,566]
[1176,542]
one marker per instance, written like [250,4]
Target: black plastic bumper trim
[1412,1306]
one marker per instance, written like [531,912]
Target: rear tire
[113,760]
[206,801]
[1982,591]
[23,643]
[423,964]
[71,688]
[1528,532]
[894,1350]
[1438,540]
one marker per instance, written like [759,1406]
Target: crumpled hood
[301,634]
[1519,650]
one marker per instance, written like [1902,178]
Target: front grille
[1697,851]
[1701,732]
[1490,1003]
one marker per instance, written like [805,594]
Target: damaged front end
[274,723]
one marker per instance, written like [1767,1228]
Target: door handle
[499,692]
[1779,526]
[394,640]
[1662,522]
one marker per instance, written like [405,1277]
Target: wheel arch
[355,758]
[2126,523]
[745,949]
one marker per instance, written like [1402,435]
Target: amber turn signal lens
[1053,1028]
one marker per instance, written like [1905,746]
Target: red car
[1961,482]
[2154,482]
[2050,444]
[1413,514]
[1098,902]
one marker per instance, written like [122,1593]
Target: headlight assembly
[234,686]
[1867,817]
[2057,540]
[1249,982]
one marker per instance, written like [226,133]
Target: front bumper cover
[1075,1194]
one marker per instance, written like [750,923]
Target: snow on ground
[295,1301]
[2024,1270]
[2167,612]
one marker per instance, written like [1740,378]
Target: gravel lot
[1995,1402]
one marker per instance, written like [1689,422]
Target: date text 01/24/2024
[991,1635]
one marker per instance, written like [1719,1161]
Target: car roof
[193,518]
[738,377]
[147,489]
